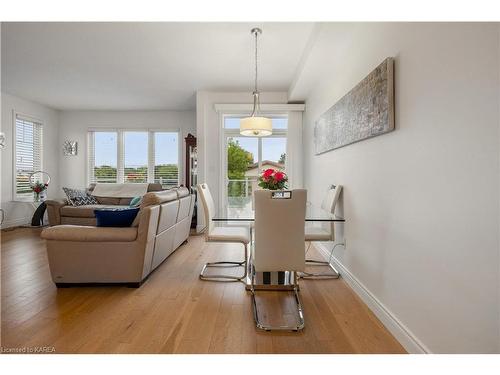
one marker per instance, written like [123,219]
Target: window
[166,158]
[135,156]
[103,161]
[28,150]
[131,156]
[246,157]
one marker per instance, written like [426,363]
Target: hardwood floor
[174,311]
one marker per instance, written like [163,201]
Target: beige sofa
[100,255]
[60,212]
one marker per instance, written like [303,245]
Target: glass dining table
[237,215]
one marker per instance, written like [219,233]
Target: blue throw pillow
[117,217]
[135,202]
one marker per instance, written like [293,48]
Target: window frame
[120,178]
[227,133]
[33,119]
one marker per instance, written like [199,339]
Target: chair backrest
[279,231]
[208,206]
[331,198]
[330,202]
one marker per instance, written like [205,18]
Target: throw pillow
[135,202]
[78,197]
[117,217]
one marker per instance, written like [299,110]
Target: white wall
[421,203]
[208,129]
[18,213]
[75,124]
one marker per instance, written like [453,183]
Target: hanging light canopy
[255,125]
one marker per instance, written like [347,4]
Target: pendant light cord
[256,99]
[256,56]
[256,125]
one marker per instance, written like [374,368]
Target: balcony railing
[240,192]
[241,188]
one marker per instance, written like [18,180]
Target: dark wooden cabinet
[191,171]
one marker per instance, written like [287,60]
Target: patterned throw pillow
[79,197]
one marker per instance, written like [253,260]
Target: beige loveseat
[60,212]
[83,254]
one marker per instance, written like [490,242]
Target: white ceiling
[128,66]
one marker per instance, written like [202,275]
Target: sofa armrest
[80,233]
[54,210]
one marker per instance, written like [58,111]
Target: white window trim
[15,115]
[226,133]
[120,155]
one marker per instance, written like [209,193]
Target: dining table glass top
[246,213]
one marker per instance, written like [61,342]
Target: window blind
[28,155]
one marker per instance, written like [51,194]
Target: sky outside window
[273,148]
[106,148]
[166,148]
[249,144]
[135,149]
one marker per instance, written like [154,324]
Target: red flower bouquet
[273,179]
[37,188]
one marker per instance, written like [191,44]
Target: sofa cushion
[70,220]
[85,211]
[108,200]
[151,187]
[90,234]
[125,201]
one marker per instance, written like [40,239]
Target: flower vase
[36,197]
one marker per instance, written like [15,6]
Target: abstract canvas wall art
[364,112]
[70,148]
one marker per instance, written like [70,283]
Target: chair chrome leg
[300,314]
[224,264]
[333,274]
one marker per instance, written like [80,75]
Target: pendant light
[256,125]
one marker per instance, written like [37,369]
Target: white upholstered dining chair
[323,234]
[221,234]
[279,245]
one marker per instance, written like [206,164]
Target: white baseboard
[16,223]
[405,337]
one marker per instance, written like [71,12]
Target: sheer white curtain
[294,157]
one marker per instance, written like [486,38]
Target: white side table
[34,206]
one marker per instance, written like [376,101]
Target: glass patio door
[246,158]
